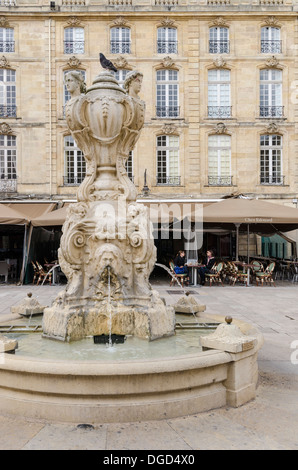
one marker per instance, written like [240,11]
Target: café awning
[10,216]
[262,216]
[53,218]
[31,210]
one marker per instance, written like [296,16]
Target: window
[74,41]
[271,159]
[129,166]
[271,93]
[219,160]
[120,40]
[6,40]
[8,93]
[167,41]
[168,160]
[219,40]
[8,155]
[75,165]
[120,76]
[167,99]
[270,40]
[219,100]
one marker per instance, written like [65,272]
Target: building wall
[40,62]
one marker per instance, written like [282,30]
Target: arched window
[270,40]
[8,93]
[271,159]
[74,163]
[6,40]
[219,40]
[74,41]
[219,94]
[120,40]
[167,41]
[219,160]
[8,162]
[167,94]
[168,160]
[271,93]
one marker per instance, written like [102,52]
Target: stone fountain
[107,249]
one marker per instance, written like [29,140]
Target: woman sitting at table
[208,266]
[180,263]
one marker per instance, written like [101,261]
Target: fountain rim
[116,367]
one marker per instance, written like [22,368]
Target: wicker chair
[266,275]
[179,278]
[215,275]
[43,275]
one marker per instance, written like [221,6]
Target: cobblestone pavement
[268,422]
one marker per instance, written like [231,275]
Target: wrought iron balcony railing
[271,46]
[222,112]
[120,47]
[219,47]
[167,47]
[72,180]
[220,180]
[74,47]
[167,111]
[271,111]
[8,111]
[8,185]
[272,179]
[7,46]
[168,180]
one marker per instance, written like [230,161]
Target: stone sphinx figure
[107,249]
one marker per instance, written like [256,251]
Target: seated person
[180,263]
[208,266]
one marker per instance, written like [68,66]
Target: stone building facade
[220,85]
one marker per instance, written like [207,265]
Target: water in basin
[184,342]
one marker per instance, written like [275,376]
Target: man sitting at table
[207,267]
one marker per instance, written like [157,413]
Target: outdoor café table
[194,272]
[246,266]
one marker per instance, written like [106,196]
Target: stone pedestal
[28,307]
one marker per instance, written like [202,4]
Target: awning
[53,218]
[10,216]
[33,209]
[262,215]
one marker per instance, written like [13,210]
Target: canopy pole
[247,243]
[237,241]
[27,241]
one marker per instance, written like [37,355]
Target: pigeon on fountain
[106,63]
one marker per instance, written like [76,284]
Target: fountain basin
[129,390]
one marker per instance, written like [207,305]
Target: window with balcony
[219,160]
[6,40]
[167,94]
[74,41]
[271,94]
[168,160]
[129,166]
[219,94]
[270,40]
[271,160]
[219,40]
[8,156]
[75,165]
[120,42]
[167,41]
[8,107]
